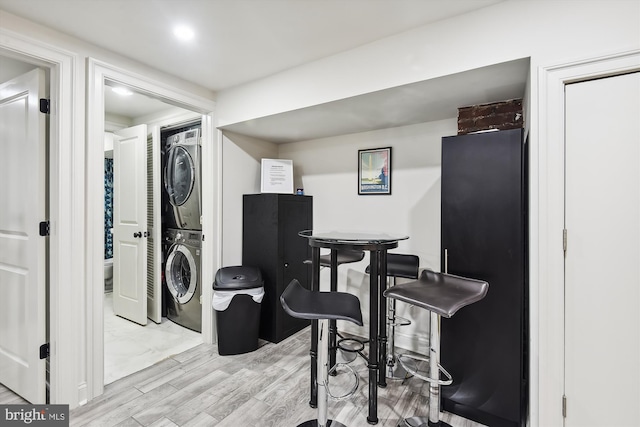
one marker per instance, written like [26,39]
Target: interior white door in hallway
[602,262]
[23,256]
[130,224]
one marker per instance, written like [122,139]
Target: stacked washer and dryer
[183,237]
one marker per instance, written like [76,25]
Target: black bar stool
[322,306]
[443,295]
[405,266]
[343,256]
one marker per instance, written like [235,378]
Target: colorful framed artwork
[374,171]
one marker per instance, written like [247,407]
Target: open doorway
[132,344]
[101,77]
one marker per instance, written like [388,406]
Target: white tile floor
[129,347]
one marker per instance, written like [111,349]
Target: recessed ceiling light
[183,33]
[122,91]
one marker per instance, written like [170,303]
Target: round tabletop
[356,239]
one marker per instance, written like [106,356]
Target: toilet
[108,275]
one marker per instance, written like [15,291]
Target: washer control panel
[187,237]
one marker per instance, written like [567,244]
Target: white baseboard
[83,396]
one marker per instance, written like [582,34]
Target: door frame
[97,73]
[66,206]
[548,369]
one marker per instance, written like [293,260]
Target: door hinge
[44,351]
[45,229]
[564,240]
[44,105]
[564,406]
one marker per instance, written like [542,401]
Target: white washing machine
[183,278]
[182,176]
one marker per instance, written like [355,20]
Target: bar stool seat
[440,293]
[322,306]
[314,305]
[443,295]
[348,346]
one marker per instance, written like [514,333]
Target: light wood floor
[268,387]
[7,397]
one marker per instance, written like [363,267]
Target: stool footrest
[350,392]
[399,321]
[350,348]
[357,347]
[395,371]
[414,370]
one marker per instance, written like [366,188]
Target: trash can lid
[237,278]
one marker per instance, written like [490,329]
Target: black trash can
[237,295]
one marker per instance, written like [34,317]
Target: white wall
[327,169]
[240,175]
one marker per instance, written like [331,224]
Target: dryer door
[180,175]
[181,273]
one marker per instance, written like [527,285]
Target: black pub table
[377,245]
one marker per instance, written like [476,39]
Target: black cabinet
[484,236]
[270,241]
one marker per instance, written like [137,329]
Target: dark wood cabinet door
[295,216]
[484,237]
[270,241]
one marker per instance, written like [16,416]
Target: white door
[23,252]
[602,265]
[130,224]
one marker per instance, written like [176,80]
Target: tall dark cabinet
[270,241]
[484,236]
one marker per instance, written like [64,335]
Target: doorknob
[138,234]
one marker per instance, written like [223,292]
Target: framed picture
[374,171]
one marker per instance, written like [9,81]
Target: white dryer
[182,176]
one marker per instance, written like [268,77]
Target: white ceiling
[132,106]
[236,41]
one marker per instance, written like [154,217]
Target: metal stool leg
[393,369]
[433,420]
[434,369]
[322,380]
